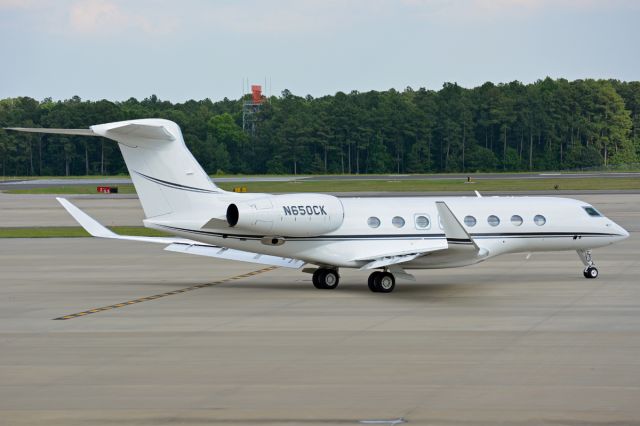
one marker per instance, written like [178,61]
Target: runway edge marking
[168,293]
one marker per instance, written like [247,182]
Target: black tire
[325,279]
[385,282]
[372,281]
[315,279]
[591,272]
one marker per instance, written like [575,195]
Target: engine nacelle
[294,215]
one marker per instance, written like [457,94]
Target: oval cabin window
[539,220]
[373,222]
[470,221]
[516,220]
[422,222]
[493,220]
[398,222]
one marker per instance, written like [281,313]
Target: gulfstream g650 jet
[386,236]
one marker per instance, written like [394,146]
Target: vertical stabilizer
[167,177]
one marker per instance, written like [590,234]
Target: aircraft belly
[497,246]
[343,252]
[317,252]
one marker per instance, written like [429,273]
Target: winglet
[95,229]
[453,229]
[90,225]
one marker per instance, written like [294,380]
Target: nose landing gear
[590,270]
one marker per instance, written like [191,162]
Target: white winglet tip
[89,224]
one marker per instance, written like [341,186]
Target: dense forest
[547,125]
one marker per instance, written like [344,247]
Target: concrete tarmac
[509,341]
[43,210]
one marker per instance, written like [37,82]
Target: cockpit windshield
[591,211]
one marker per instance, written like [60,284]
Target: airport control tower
[250,109]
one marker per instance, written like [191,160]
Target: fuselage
[497,225]
[290,230]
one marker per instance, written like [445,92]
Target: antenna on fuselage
[478,194]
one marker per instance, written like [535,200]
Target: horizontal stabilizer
[95,229]
[134,130]
[239,255]
[71,132]
[117,131]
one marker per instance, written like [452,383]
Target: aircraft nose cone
[625,233]
[621,231]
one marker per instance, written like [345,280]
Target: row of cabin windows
[494,220]
[422,221]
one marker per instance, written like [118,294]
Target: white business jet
[384,235]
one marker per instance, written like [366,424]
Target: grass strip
[440,185]
[70,189]
[74,232]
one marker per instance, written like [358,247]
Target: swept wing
[175,244]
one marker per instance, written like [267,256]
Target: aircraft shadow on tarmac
[407,291]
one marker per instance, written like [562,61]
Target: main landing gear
[325,278]
[590,270]
[382,282]
[328,279]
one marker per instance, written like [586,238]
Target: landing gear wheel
[591,272]
[385,282]
[372,281]
[330,279]
[325,279]
[315,276]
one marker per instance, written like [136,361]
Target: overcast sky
[194,49]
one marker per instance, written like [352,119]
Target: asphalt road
[510,341]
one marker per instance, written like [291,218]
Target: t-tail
[167,177]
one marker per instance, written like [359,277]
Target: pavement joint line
[158,296]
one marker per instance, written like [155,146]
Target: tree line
[546,125]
